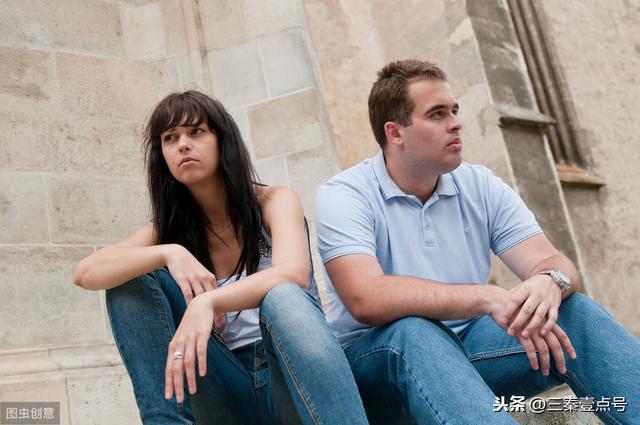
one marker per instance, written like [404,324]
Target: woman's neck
[212,198]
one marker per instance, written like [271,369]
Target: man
[406,238]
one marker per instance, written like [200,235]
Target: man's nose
[456,125]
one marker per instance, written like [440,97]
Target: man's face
[432,140]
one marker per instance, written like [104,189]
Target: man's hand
[555,340]
[533,307]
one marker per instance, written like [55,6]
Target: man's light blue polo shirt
[448,239]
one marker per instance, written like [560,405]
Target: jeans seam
[569,376]
[394,350]
[299,388]
[496,353]
[165,323]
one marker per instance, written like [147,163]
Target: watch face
[562,277]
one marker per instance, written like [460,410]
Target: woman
[219,242]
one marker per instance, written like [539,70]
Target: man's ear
[392,133]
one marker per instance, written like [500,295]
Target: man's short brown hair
[389,97]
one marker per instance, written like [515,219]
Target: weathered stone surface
[287,64]
[96,211]
[47,309]
[142,33]
[287,124]
[28,80]
[109,147]
[222,23]
[173,25]
[47,388]
[23,208]
[347,48]
[99,146]
[263,18]
[101,397]
[308,170]
[103,87]
[273,171]
[236,75]
[26,143]
[91,26]
[596,48]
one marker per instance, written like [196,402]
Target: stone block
[96,211]
[104,87]
[272,171]
[23,208]
[236,75]
[28,80]
[308,170]
[99,146]
[262,18]
[221,22]
[44,388]
[45,307]
[26,142]
[287,124]
[164,78]
[101,397]
[287,63]
[173,23]
[73,25]
[109,147]
[241,118]
[143,33]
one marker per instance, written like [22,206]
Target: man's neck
[419,184]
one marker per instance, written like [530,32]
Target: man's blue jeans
[418,371]
[297,373]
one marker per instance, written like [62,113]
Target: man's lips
[455,144]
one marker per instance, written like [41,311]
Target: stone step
[93,387]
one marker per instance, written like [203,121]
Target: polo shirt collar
[445,187]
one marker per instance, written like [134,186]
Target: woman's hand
[189,342]
[191,276]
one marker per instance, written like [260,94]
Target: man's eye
[437,114]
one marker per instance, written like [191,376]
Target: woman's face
[191,153]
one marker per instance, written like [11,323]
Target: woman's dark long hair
[176,216]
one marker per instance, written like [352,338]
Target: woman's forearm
[114,265]
[249,292]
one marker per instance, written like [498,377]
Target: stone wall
[79,77]
[599,60]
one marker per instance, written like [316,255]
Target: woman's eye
[197,130]
[168,138]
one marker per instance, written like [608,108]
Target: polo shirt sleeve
[344,222]
[510,221]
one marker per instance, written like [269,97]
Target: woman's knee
[287,299]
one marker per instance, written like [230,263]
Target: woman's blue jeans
[418,371]
[297,373]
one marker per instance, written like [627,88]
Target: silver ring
[177,355]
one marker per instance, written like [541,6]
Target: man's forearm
[393,297]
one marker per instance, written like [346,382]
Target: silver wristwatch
[559,278]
